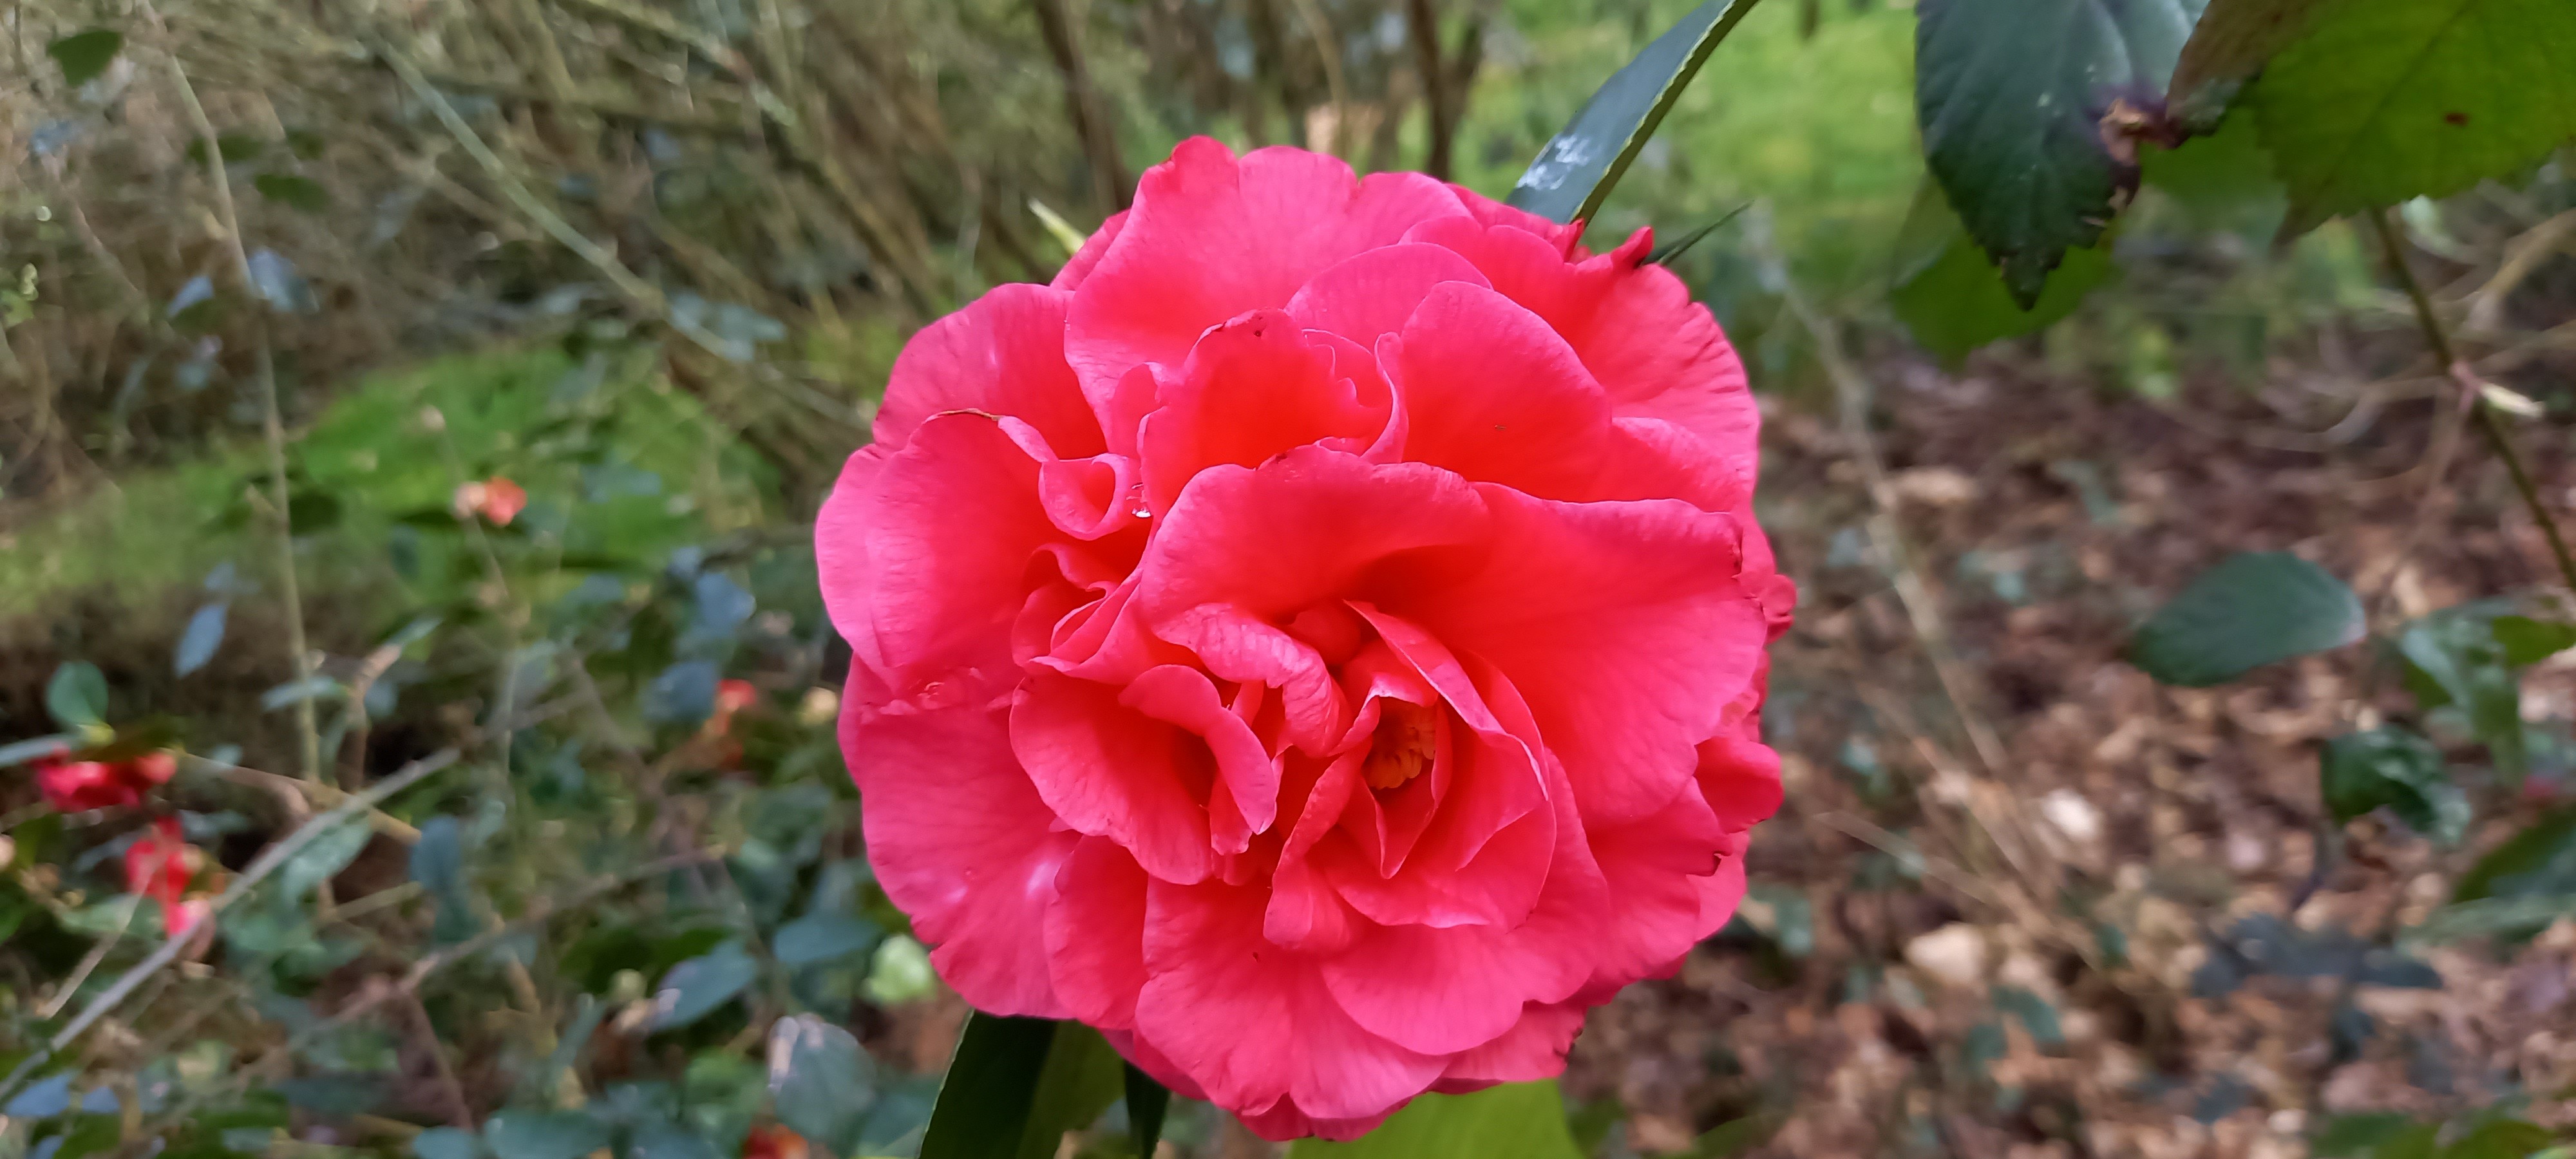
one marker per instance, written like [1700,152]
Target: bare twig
[1423,26]
[272,421]
[2437,336]
[1082,105]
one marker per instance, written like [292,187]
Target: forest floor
[2084,916]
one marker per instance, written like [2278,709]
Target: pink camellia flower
[1318,640]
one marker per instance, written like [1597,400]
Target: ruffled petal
[1002,355]
[1111,771]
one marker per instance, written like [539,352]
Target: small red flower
[78,786]
[773,1143]
[159,866]
[733,696]
[496,499]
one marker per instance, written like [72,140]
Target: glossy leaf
[2362,771]
[823,1084]
[1512,1121]
[2455,657]
[2253,609]
[197,643]
[2031,112]
[85,54]
[1576,169]
[1016,1085]
[695,988]
[76,696]
[2383,101]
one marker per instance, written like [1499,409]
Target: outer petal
[1004,355]
[1213,235]
[841,551]
[1079,267]
[958,836]
[1252,1023]
[1534,1048]
[1621,624]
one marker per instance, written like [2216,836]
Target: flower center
[1408,738]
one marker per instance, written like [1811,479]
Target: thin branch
[1082,104]
[271,421]
[2439,338]
[1423,20]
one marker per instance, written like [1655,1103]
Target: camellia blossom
[159,866]
[71,786]
[1318,640]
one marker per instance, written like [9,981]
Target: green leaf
[2391,766]
[293,191]
[2454,656]
[821,937]
[2031,113]
[77,695]
[1016,1085]
[2528,641]
[2222,182]
[323,858]
[2499,1139]
[1737,1136]
[2232,42]
[197,643]
[822,1082]
[1148,1101]
[544,1135]
[2528,852]
[695,988]
[1576,169]
[1513,1121]
[2519,916]
[2346,1136]
[2383,101]
[1953,300]
[446,1143]
[438,864]
[85,54]
[2253,609]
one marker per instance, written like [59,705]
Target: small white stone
[2072,815]
[1955,954]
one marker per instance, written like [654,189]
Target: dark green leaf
[821,937]
[2031,113]
[1513,1121]
[823,1083]
[438,864]
[197,643]
[293,191]
[2253,609]
[2518,916]
[1148,1102]
[1016,1085]
[2499,1139]
[2222,182]
[85,54]
[2232,42]
[2525,853]
[323,858]
[544,1135]
[2036,1016]
[1737,1136]
[695,988]
[77,695]
[234,148]
[2391,766]
[2528,641]
[2454,656]
[2382,101]
[1953,300]
[1576,169]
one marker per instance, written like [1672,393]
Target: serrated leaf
[1575,170]
[2384,101]
[821,1081]
[2031,112]
[2253,609]
[76,696]
[1512,1121]
[1016,1085]
[544,1135]
[197,642]
[292,190]
[85,54]
[695,988]
[2232,42]
[2362,771]
[1953,300]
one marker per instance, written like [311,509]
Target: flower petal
[1095,934]
[1002,355]
[1111,771]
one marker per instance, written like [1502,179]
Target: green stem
[2439,338]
